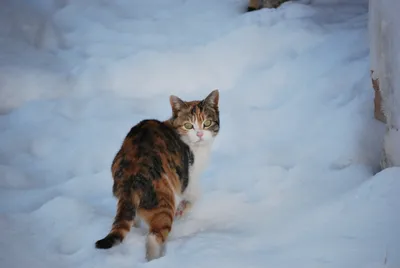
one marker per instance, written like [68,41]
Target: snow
[293,178]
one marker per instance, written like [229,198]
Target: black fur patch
[145,187]
[109,241]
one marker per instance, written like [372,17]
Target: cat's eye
[188,125]
[207,123]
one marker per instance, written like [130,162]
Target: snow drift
[293,179]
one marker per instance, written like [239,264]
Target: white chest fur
[201,158]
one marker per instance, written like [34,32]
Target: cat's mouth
[200,141]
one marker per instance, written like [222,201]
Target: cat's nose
[199,134]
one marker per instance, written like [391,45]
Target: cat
[255,4]
[157,168]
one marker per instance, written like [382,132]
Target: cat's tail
[123,221]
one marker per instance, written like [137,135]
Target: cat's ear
[176,103]
[213,98]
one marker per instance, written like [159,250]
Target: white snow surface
[293,180]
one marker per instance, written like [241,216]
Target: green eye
[188,125]
[207,123]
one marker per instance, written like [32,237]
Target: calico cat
[157,168]
[255,4]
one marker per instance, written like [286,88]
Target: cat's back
[152,135]
[150,148]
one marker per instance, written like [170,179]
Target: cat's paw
[182,209]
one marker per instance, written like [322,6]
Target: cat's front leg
[189,198]
[137,222]
[183,207]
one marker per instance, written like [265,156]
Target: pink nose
[199,134]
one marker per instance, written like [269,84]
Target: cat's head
[196,121]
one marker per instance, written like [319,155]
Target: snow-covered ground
[293,180]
